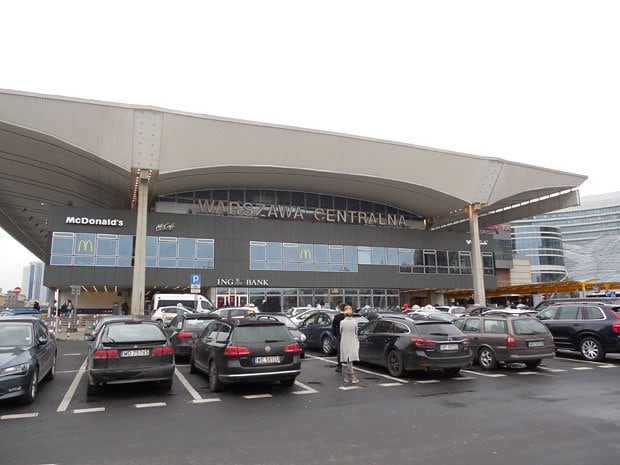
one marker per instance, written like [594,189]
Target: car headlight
[302,338]
[14,370]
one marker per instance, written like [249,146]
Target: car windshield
[261,333]
[15,334]
[438,329]
[134,332]
[529,326]
[196,324]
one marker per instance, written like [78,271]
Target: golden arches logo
[85,245]
[305,254]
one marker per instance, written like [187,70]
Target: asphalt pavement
[565,412]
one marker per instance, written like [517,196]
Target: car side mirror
[88,337]
[42,341]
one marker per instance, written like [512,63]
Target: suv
[592,328]
[508,339]
[241,350]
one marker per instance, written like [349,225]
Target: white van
[195,301]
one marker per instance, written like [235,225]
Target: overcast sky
[530,81]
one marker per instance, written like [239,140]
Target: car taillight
[162,350]
[294,347]
[422,342]
[235,351]
[105,353]
[185,334]
[511,341]
[467,341]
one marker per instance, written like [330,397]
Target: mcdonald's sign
[85,246]
[305,254]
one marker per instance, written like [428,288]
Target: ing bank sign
[288,212]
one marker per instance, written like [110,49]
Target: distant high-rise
[32,283]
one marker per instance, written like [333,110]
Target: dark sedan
[244,350]
[27,355]
[130,351]
[401,344]
[318,329]
[183,327]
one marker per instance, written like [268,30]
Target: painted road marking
[349,388]
[71,355]
[390,384]
[66,371]
[598,364]
[188,386]
[462,378]
[205,401]
[152,404]
[71,391]
[89,410]
[486,375]
[306,389]
[552,370]
[398,380]
[427,381]
[17,416]
[257,396]
[527,373]
[583,368]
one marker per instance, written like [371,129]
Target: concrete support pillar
[139,275]
[476,255]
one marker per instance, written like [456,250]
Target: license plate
[135,353]
[266,360]
[449,347]
[536,343]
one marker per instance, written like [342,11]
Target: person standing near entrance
[125,308]
[336,332]
[69,308]
[349,345]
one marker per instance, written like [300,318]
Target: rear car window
[528,326]
[438,329]
[195,324]
[495,326]
[133,332]
[261,333]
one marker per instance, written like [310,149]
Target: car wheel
[533,363]
[166,385]
[452,371]
[50,374]
[159,321]
[327,345]
[395,364]
[214,378]
[591,349]
[287,382]
[192,366]
[33,388]
[487,359]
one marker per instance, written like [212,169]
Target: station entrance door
[231,298]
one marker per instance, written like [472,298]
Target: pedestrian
[336,332]
[63,310]
[349,345]
[69,308]
[125,308]
[405,308]
[36,306]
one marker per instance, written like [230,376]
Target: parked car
[592,328]
[292,327]
[317,327]
[294,311]
[182,328]
[129,351]
[99,324]
[27,355]
[451,309]
[164,315]
[25,312]
[236,312]
[244,350]
[504,338]
[301,316]
[593,300]
[405,344]
[510,311]
[196,302]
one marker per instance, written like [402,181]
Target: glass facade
[116,250]
[283,256]
[543,246]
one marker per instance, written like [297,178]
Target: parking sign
[195,283]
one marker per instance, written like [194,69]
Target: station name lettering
[95,221]
[287,212]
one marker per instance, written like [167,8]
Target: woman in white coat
[349,345]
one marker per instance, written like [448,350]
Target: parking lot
[513,413]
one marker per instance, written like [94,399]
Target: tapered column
[476,255]
[139,275]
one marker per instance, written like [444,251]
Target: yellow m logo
[305,254]
[85,246]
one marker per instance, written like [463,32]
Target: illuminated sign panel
[95,221]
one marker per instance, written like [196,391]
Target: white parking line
[152,404]
[17,416]
[462,378]
[206,401]
[258,396]
[527,373]
[306,389]
[608,366]
[349,388]
[390,384]
[398,380]
[89,410]
[427,381]
[486,375]
[598,364]
[71,355]
[71,391]
[66,371]
[188,386]
[583,368]
[552,370]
